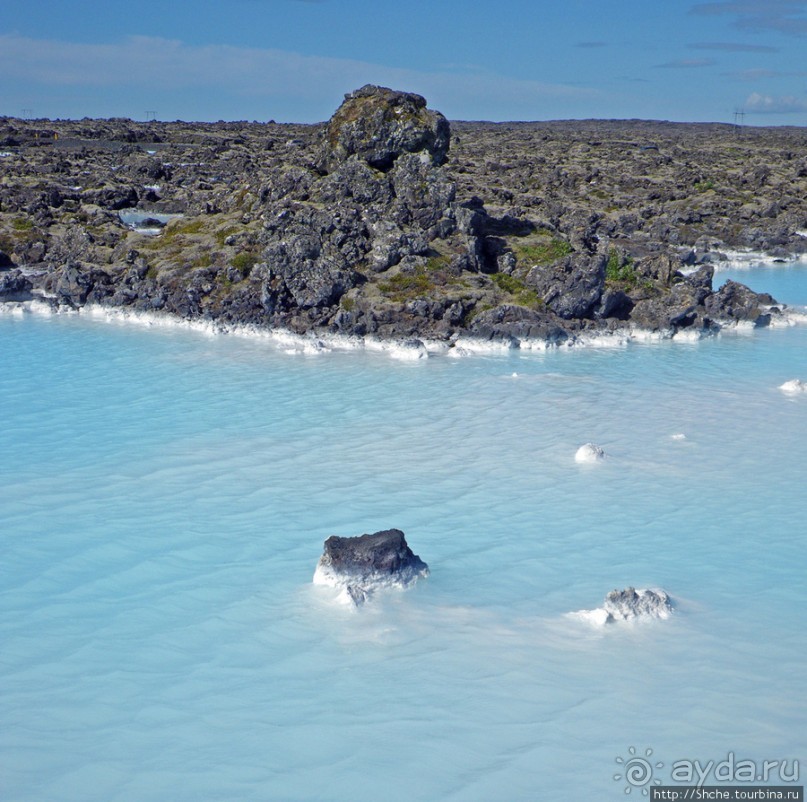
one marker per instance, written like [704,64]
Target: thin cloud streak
[171,65]
[686,64]
[760,74]
[786,16]
[733,47]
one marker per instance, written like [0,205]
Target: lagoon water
[164,497]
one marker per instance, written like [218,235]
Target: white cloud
[769,104]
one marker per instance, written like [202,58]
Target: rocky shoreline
[389,223]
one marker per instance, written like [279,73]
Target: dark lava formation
[387,221]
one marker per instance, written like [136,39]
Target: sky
[293,60]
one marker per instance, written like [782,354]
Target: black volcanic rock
[114,198]
[511,323]
[571,288]
[386,553]
[14,286]
[365,563]
[74,284]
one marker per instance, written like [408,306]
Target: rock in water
[363,564]
[378,125]
[793,387]
[623,605]
[589,453]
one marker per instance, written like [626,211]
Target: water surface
[164,497]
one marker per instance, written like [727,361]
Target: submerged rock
[360,565]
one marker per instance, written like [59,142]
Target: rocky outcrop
[681,306]
[377,125]
[365,226]
[736,303]
[367,563]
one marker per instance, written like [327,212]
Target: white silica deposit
[589,454]
[793,387]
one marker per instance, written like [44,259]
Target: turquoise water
[164,497]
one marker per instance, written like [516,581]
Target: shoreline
[466,239]
[404,349]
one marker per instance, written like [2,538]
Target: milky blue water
[164,497]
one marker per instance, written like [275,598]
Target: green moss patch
[542,250]
[519,293]
[404,287]
[619,270]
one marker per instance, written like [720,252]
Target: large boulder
[360,565]
[378,125]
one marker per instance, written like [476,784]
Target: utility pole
[151,116]
[27,114]
[739,119]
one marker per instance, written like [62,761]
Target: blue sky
[292,60]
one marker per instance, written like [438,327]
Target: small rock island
[367,563]
[629,604]
[623,605]
[392,223]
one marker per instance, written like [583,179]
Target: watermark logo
[641,772]
[638,771]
